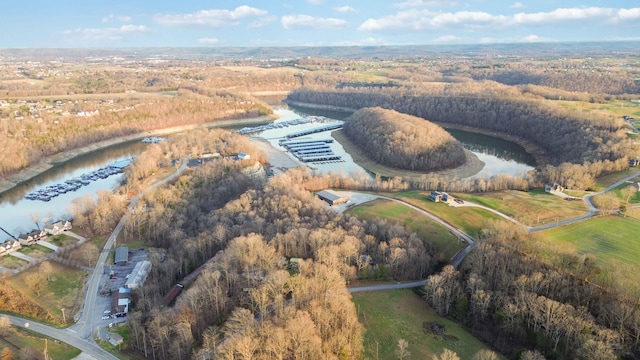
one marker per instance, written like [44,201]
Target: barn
[331,197]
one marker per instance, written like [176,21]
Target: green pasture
[469,219]
[444,243]
[399,314]
[612,239]
[531,208]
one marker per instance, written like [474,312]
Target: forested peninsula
[403,141]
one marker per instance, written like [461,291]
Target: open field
[10,262]
[26,344]
[608,238]
[36,251]
[606,180]
[444,243]
[469,219]
[399,314]
[62,240]
[634,199]
[56,290]
[533,208]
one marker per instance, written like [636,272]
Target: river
[19,215]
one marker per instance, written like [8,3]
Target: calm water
[18,215]
[499,156]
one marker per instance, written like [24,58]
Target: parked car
[105,317]
[107,312]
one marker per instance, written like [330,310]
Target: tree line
[596,143]
[515,300]
[403,141]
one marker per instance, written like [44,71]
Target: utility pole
[64,319]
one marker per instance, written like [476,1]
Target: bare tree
[402,351]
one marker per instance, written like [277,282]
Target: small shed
[331,197]
[122,256]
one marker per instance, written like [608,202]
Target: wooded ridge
[403,141]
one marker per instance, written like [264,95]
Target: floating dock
[329,127]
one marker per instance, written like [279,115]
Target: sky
[254,23]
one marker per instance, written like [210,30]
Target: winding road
[80,335]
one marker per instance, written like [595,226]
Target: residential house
[58,228]
[32,237]
[553,188]
[435,196]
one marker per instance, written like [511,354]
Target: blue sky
[141,23]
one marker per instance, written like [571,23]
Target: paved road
[80,334]
[64,335]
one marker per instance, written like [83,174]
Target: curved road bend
[80,334]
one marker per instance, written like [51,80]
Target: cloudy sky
[127,23]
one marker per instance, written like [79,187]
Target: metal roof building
[122,256]
[331,197]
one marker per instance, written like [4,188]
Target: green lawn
[61,240]
[469,219]
[444,243]
[609,238]
[606,180]
[20,340]
[531,208]
[36,251]
[633,200]
[399,314]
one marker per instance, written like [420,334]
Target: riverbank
[538,153]
[46,164]
[472,165]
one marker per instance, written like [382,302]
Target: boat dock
[329,127]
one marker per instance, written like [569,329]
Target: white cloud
[362,42]
[116,18]
[345,9]
[208,41]
[316,2]
[469,20]
[517,5]
[508,40]
[310,22]
[210,18]
[424,3]
[111,33]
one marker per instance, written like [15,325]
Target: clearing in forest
[400,314]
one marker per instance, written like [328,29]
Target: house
[58,228]
[32,237]
[634,162]
[553,188]
[435,196]
[121,301]
[9,246]
[122,256]
[331,197]
[243,156]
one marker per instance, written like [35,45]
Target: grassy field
[36,251]
[471,220]
[10,262]
[22,343]
[609,238]
[606,180]
[61,290]
[399,314]
[61,240]
[444,243]
[532,208]
[633,200]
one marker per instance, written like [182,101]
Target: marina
[334,126]
[51,191]
[279,125]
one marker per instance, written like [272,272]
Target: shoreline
[538,153]
[36,169]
